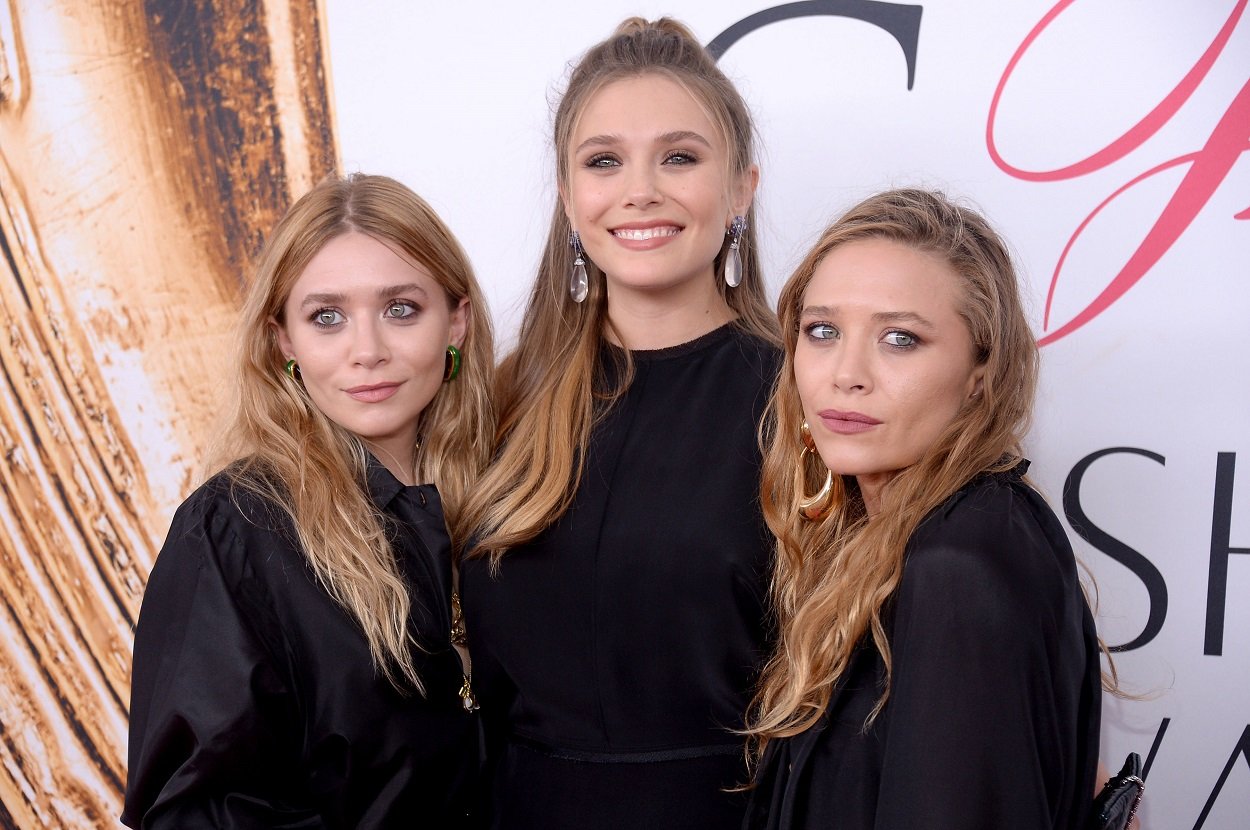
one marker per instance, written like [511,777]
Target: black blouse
[614,653]
[254,699]
[993,715]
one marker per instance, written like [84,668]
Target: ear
[976,381]
[284,341]
[460,317]
[744,190]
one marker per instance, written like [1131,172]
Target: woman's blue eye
[821,331]
[327,317]
[603,160]
[901,339]
[680,158]
[400,311]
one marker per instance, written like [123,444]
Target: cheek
[427,353]
[429,364]
[588,198]
[318,368]
[936,405]
[710,202]
[317,355]
[807,376]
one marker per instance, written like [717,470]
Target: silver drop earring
[733,262]
[579,286]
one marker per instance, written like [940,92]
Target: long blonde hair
[833,577]
[278,444]
[549,392]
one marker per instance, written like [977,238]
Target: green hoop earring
[291,368]
[451,367]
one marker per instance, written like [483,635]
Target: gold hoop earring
[818,506]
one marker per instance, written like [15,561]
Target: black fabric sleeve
[987,666]
[208,707]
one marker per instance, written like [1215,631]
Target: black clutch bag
[1116,804]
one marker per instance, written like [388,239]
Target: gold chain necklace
[467,699]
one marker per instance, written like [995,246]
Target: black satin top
[254,700]
[614,653]
[993,715]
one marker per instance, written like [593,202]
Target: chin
[842,466]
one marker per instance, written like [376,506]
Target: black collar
[383,486]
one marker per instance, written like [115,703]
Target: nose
[641,188]
[368,344]
[852,366]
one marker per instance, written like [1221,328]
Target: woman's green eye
[821,331]
[901,339]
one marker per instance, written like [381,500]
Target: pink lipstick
[373,393]
[846,423]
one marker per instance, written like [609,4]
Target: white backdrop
[1147,97]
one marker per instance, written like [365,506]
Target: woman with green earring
[294,656]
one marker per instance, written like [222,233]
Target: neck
[870,490]
[399,458]
[659,319]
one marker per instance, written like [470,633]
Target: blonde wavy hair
[833,577]
[549,388]
[278,444]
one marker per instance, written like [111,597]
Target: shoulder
[761,355]
[992,513]
[233,496]
[208,504]
[995,543]
[223,518]
[745,368]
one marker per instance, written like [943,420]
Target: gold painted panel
[145,149]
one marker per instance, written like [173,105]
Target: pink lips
[374,393]
[846,423]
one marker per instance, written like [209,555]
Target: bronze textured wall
[145,149]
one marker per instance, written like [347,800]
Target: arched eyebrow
[383,293]
[674,137]
[678,136]
[910,317]
[901,317]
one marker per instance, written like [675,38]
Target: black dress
[614,654]
[993,714]
[254,701]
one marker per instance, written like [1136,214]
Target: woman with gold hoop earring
[937,664]
[816,507]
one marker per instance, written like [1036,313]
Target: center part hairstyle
[278,444]
[551,388]
[832,577]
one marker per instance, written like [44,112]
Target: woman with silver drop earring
[615,590]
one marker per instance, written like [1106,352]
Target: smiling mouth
[642,234]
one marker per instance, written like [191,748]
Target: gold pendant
[467,698]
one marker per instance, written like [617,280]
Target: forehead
[357,260]
[644,106]
[881,275]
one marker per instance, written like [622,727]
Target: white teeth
[645,233]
